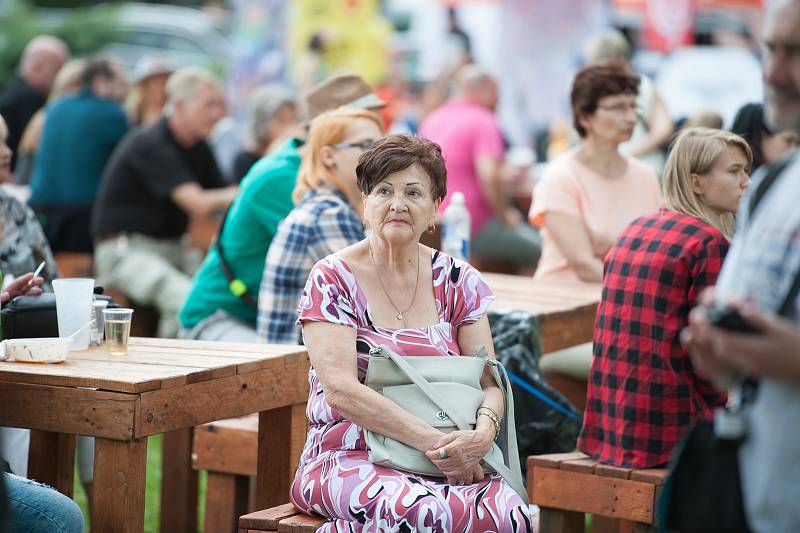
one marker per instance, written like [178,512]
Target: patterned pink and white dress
[335,478]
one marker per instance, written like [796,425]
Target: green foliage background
[84,29]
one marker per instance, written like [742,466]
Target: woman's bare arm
[471,338]
[571,237]
[332,349]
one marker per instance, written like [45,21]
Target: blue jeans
[36,508]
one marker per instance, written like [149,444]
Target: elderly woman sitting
[589,194]
[389,289]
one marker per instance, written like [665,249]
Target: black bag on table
[546,421]
[27,317]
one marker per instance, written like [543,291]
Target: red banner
[668,23]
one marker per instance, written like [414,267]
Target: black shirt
[18,102]
[147,165]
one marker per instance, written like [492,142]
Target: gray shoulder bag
[445,392]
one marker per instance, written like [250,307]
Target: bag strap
[764,185]
[511,473]
[236,286]
[786,309]
[747,389]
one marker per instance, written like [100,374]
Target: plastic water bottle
[455,233]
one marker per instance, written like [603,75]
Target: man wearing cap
[158,177]
[221,304]
[148,94]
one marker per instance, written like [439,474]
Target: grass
[152,498]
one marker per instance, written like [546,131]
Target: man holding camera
[759,272]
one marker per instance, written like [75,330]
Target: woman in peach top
[589,194]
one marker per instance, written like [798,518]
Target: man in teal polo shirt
[222,305]
[80,132]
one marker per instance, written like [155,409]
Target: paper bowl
[43,350]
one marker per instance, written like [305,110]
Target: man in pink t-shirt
[467,130]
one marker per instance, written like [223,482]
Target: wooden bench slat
[657,476]
[227,448]
[267,519]
[584,466]
[606,496]
[300,523]
[553,460]
[613,471]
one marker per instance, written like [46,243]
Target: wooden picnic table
[161,386]
[566,311]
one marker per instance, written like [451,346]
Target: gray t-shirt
[760,267]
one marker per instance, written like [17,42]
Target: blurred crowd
[118,166]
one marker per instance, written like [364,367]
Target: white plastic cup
[74,308]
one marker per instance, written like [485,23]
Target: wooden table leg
[51,460]
[281,433]
[119,485]
[178,482]
[605,524]
[560,521]
[226,501]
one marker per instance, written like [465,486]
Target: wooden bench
[228,451]
[145,317]
[202,230]
[74,264]
[567,485]
[285,518]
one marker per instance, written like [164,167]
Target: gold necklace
[400,314]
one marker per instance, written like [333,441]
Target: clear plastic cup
[117,325]
[74,309]
[97,330]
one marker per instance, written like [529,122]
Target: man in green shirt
[221,305]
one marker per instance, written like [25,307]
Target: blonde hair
[327,129]
[696,151]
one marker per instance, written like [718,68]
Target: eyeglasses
[621,109]
[363,145]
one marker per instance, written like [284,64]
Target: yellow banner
[353,37]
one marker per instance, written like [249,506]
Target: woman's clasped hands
[458,455]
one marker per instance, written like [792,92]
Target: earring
[432,228]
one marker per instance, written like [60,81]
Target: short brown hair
[397,152]
[596,81]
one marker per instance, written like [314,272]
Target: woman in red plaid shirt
[643,393]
